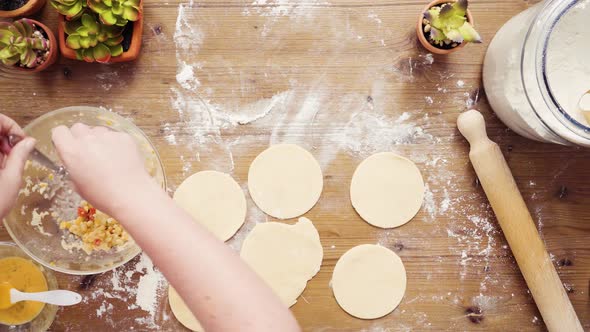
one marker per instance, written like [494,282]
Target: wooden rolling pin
[517,225]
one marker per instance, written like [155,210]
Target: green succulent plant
[94,41]
[71,9]
[116,12]
[21,43]
[447,24]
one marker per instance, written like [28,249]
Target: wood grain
[461,275]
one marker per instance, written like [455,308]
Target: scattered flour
[206,120]
[105,308]
[169,134]
[406,68]
[430,205]
[188,36]
[149,283]
[375,17]
[186,76]
[446,202]
[291,8]
[110,79]
[329,122]
[148,292]
[471,99]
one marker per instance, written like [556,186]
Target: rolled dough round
[215,200]
[285,181]
[387,190]
[284,256]
[182,312]
[369,281]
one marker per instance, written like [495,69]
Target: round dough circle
[182,312]
[285,181]
[387,190]
[284,256]
[369,281]
[214,200]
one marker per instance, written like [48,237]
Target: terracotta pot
[131,54]
[30,8]
[420,32]
[53,50]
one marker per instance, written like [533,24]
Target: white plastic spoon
[57,297]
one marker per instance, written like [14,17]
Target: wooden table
[343,78]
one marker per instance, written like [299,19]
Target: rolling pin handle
[473,127]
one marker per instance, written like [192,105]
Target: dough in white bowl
[387,190]
[285,181]
[369,281]
[215,200]
[284,256]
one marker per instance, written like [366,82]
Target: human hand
[105,166]
[12,162]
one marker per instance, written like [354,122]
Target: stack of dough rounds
[369,281]
[284,256]
[387,190]
[216,201]
[285,181]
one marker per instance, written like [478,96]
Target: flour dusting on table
[291,8]
[139,284]
[224,107]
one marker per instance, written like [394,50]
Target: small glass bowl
[40,237]
[44,320]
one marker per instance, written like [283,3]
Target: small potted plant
[18,8]
[27,45]
[446,26]
[92,41]
[104,31]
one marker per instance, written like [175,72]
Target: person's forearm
[219,288]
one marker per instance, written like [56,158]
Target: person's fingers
[61,136]
[100,130]
[79,130]
[15,163]
[63,140]
[10,127]
[4,145]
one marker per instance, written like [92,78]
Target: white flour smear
[187,36]
[206,120]
[328,124]
[169,134]
[140,281]
[368,133]
[302,11]
[110,79]
[291,8]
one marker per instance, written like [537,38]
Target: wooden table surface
[345,79]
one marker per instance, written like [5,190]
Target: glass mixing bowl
[47,315]
[46,200]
